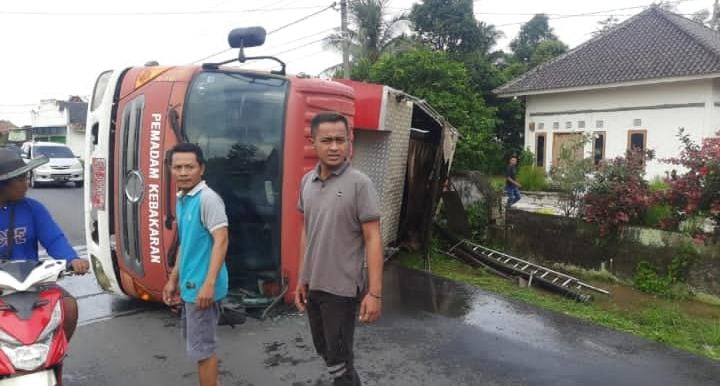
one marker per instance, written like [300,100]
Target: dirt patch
[627,298]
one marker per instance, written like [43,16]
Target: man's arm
[53,239]
[512,181]
[171,295]
[301,288]
[371,306]
[206,295]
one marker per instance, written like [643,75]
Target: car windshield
[53,152]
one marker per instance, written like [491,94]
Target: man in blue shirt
[199,279]
[24,222]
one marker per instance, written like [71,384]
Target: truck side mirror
[247,37]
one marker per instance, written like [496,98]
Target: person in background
[26,222]
[512,187]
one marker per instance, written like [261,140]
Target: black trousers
[332,324]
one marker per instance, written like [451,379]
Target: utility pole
[345,38]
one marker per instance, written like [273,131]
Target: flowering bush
[618,193]
[697,191]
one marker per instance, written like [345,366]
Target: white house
[633,86]
[61,121]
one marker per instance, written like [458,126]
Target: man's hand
[205,297]
[370,309]
[170,293]
[80,266]
[301,296]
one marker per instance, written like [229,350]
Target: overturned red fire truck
[254,130]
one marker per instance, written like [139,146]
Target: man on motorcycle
[24,222]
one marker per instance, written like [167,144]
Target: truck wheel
[78,184]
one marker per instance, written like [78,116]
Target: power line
[273,31]
[159,13]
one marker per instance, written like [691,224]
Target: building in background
[634,86]
[56,121]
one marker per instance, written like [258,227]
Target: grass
[687,325]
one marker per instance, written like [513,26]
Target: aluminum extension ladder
[532,269]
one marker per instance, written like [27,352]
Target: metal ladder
[532,269]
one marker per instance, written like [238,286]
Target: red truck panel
[368,103]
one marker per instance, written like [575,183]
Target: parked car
[63,167]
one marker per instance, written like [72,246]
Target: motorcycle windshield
[19,269]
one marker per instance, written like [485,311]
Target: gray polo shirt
[335,210]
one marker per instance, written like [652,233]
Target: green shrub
[532,178]
[657,185]
[527,158]
[672,283]
[479,219]
[497,183]
[656,213]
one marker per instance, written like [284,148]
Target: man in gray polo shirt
[341,231]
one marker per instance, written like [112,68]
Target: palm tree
[371,33]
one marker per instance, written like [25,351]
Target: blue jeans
[513,194]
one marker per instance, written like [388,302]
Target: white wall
[76,141]
[662,124]
[48,114]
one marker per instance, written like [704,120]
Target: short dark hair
[325,117]
[185,147]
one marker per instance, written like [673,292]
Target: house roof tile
[653,44]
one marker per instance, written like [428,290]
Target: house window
[541,126]
[599,124]
[568,125]
[540,150]
[637,140]
[556,125]
[637,122]
[581,124]
[598,147]
[531,126]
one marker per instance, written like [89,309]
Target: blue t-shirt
[199,212]
[33,224]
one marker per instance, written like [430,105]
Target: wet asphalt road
[433,332]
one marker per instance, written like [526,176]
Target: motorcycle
[32,338]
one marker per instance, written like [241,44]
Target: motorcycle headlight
[32,356]
[26,358]
[23,357]
[53,324]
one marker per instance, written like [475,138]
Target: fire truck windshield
[238,119]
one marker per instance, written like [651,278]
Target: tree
[618,193]
[532,33]
[371,34]
[606,25]
[446,85]
[547,51]
[450,26]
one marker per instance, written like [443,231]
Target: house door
[572,142]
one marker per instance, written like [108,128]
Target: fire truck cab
[253,128]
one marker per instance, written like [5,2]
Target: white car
[63,166]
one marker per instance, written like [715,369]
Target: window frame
[604,147]
[637,131]
[537,137]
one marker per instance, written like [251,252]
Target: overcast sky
[56,48]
